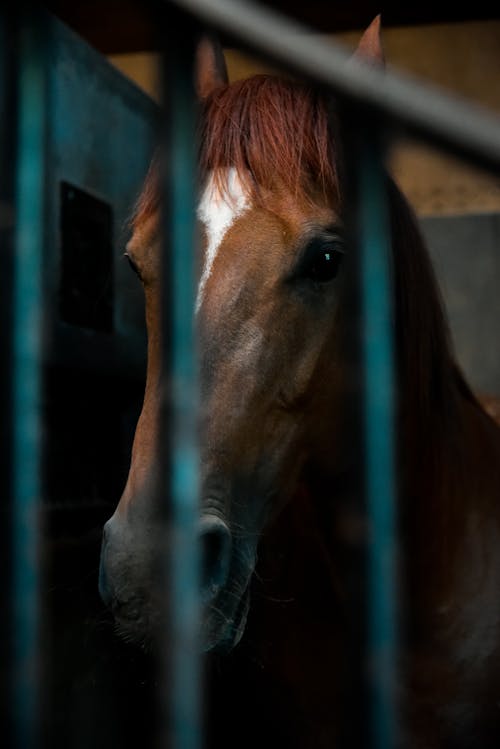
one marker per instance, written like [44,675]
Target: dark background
[125,26]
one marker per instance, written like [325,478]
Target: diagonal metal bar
[423,111]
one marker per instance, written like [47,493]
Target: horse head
[267,317]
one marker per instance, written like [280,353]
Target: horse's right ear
[211,70]
[370,45]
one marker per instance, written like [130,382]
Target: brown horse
[277,452]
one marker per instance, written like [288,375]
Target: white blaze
[218,209]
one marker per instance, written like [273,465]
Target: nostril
[215,540]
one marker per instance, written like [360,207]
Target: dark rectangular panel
[86,286]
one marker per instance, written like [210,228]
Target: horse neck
[430,388]
[448,449]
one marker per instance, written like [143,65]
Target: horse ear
[370,45]
[211,70]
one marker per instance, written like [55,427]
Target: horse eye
[322,261]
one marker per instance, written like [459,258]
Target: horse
[278,456]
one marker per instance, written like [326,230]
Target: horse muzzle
[130,582]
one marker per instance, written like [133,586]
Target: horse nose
[215,540]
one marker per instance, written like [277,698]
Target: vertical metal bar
[8,66]
[377,352]
[26,377]
[370,556]
[181,368]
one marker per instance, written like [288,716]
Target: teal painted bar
[179,282]
[378,356]
[26,372]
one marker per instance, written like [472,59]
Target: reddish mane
[272,131]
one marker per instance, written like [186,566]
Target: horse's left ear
[211,70]
[370,45]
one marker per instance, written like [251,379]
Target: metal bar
[8,67]
[380,475]
[26,377]
[370,718]
[424,111]
[180,412]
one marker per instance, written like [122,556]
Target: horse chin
[223,633]
[136,632]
